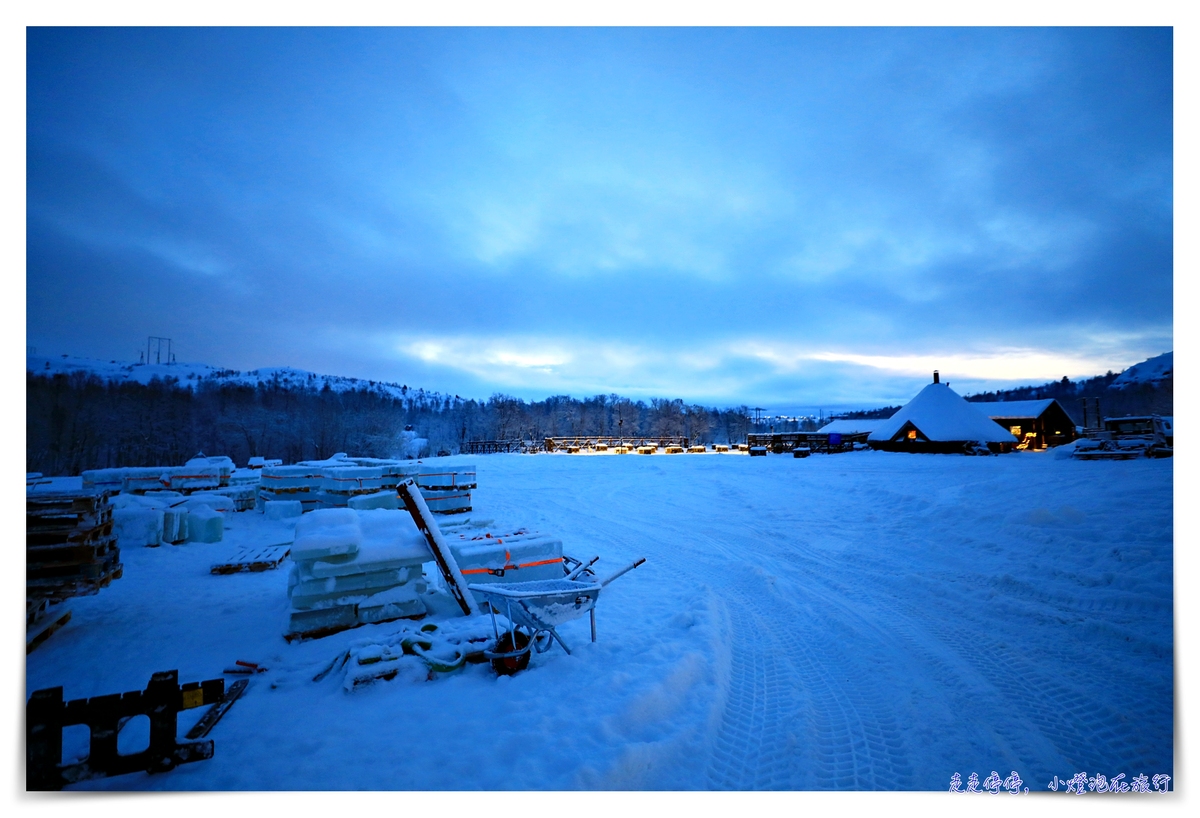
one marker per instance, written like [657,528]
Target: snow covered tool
[534,610]
[423,517]
[623,571]
[581,567]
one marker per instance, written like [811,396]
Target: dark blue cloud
[787,215]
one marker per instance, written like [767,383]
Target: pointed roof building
[939,420]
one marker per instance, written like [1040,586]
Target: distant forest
[79,421]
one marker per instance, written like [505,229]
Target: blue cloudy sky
[787,217]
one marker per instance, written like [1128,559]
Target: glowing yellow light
[912,434]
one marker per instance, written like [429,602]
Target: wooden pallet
[50,621]
[255,558]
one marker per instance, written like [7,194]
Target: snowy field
[848,622]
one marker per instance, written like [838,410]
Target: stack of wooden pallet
[70,549]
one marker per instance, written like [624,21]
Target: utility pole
[156,343]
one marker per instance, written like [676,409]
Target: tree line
[78,421]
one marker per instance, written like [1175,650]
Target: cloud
[727,215]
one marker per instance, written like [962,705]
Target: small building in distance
[939,421]
[1037,424]
[849,430]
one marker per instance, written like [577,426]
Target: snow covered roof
[941,414]
[849,426]
[1015,408]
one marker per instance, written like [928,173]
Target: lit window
[912,434]
[1016,430]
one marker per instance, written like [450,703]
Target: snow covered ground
[856,621]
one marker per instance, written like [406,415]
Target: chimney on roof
[935,376]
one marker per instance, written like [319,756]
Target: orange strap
[511,567]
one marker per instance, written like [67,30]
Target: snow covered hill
[190,373]
[1154,370]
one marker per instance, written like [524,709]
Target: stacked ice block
[340,483]
[355,567]
[446,489]
[301,483]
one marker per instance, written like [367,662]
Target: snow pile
[1153,370]
[941,414]
[355,567]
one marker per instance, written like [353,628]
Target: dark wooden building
[1037,424]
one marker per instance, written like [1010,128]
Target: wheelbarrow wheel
[508,665]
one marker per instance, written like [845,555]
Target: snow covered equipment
[442,555]
[46,714]
[535,610]
[1127,438]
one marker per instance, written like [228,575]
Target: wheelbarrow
[534,611]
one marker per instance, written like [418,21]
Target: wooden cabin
[1036,424]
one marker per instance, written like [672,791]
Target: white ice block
[307,591]
[446,477]
[196,476]
[394,603]
[217,502]
[351,479]
[382,499]
[205,524]
[282,509]
[292,478]
[175,524]
[327,532]
[511,558]
[447,502]
[138,525]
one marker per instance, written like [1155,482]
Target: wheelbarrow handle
[583,566]
[624,570]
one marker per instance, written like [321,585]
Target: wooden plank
[214,714]
[415,503]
